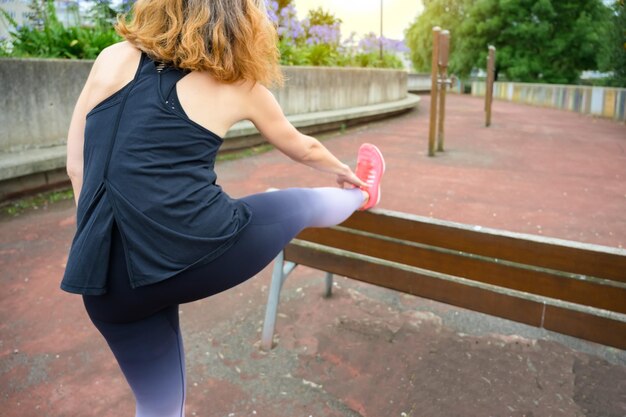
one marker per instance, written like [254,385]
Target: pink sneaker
[370,168]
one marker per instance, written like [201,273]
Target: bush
[47,37]
[57,41]
[315,40]
[5,47]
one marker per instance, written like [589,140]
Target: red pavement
[367,351]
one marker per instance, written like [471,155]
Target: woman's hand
[349,178]
[265,112]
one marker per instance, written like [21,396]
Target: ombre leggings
[141,325]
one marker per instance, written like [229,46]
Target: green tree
[321,17]
[38,13]
[613,57]
[447,14]
[549,41]
[102,13]
[283,3]
[48,37]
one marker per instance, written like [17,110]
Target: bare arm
[75,141]
[76,132]
[266,114]
[111,70]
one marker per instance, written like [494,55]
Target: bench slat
[595,293]
[557,254]
[582,324]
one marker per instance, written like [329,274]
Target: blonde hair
[233,40]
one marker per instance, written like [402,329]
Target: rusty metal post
[491,72]
[444,47]
[433,92]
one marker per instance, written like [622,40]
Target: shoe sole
[380,155]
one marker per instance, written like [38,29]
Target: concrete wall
[419,82]
[597,101]
[313,89]
[38,96]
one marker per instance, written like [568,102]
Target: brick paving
[367,351]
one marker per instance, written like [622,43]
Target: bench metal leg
[329,285]
[281,270]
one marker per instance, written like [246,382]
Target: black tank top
[149,169]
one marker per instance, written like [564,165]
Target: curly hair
[233,40]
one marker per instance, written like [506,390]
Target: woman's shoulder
[118,52]
[119,59]
[114,67]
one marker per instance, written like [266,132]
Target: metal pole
[381,30]
[444,45]
[491,69]
[432,132]
[272,303]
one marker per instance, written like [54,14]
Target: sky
[363,16]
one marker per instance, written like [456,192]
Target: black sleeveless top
[149,169]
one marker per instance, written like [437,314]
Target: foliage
[102,13]
[537,40]
[316,40]
[283,3]
[613,56]
[47,37]
[448,15]
[5,48]
[369,52]
[41,200]
[320,17]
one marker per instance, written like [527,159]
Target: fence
[598,101]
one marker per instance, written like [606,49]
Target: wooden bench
[568,287]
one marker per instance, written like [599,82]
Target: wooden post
[444,46]
[433,92]
[491,67]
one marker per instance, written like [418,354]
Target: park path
[367,351]
[539,171]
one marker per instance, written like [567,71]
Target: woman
[154,228]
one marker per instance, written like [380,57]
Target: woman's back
[149,169]
[210,103]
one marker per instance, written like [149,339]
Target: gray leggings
[141,325]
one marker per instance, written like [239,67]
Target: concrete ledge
[32,171]
[18,164]
[244,134]
[44,168]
